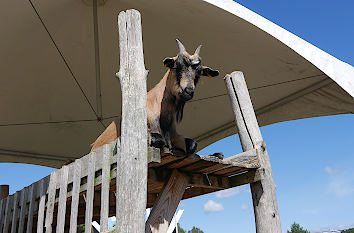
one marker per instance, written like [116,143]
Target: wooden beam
[248,159]
[166,204]
[159,177]
[132,158]
[263,192]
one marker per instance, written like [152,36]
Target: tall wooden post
[263,192]
[132,159]
[4,191]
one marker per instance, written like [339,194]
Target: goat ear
[169,62]
[207,71]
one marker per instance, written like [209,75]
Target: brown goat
[165,103]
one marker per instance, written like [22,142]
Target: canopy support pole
[263,192]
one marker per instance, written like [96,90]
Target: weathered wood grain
[247,159]
[42,198]
[4,191]
[106,166]
[64,172]
[166,203]
[75,196]
[132,159]
[51,199]
[23,200]
[8,213]
[2,212]
[90,192]
[15,211]
[32,202]
[263,192]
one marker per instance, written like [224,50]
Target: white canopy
[58,60]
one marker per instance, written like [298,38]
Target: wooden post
[263,192]
[132,158]
[4,191]
[165,206]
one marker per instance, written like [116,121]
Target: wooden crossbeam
[166,204]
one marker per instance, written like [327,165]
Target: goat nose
[189,90]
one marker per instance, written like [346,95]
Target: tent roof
[58,60]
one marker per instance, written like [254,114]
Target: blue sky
[312,159]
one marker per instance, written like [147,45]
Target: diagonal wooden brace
[166,204]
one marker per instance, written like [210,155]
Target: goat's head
[187,70]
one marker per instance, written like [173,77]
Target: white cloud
[330,170]
[245,207]
[230,192]
[212,207]
[341,183]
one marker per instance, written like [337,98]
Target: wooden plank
[32,202]
[51,199]
[105,188]
[15,211]
[3,204]
[167,203]
[167,159]
[42,196]
[64,172]
[23,200]
[132,160]
[247,178]
[8,212]
[2,212]
[263,192]
[197,191]
[90,192]
[75,196]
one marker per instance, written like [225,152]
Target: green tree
[180,229]
[351,230]
[296,228]
[195,230]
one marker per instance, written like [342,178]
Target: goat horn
[197,51]
[182,49]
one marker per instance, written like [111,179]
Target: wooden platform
[206,174]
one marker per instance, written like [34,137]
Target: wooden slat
[64,172]
[41,207]
[90,192]
[8,212]
[51,199]
[166,159]
[75,196]
[23,200]
[2,212]
[32,194]
[15,212]
[105,188]
[167,203]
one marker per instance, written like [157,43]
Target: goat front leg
[156,138]
[187,145]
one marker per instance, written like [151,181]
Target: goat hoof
[157,141]
[191,146]
[218,155]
